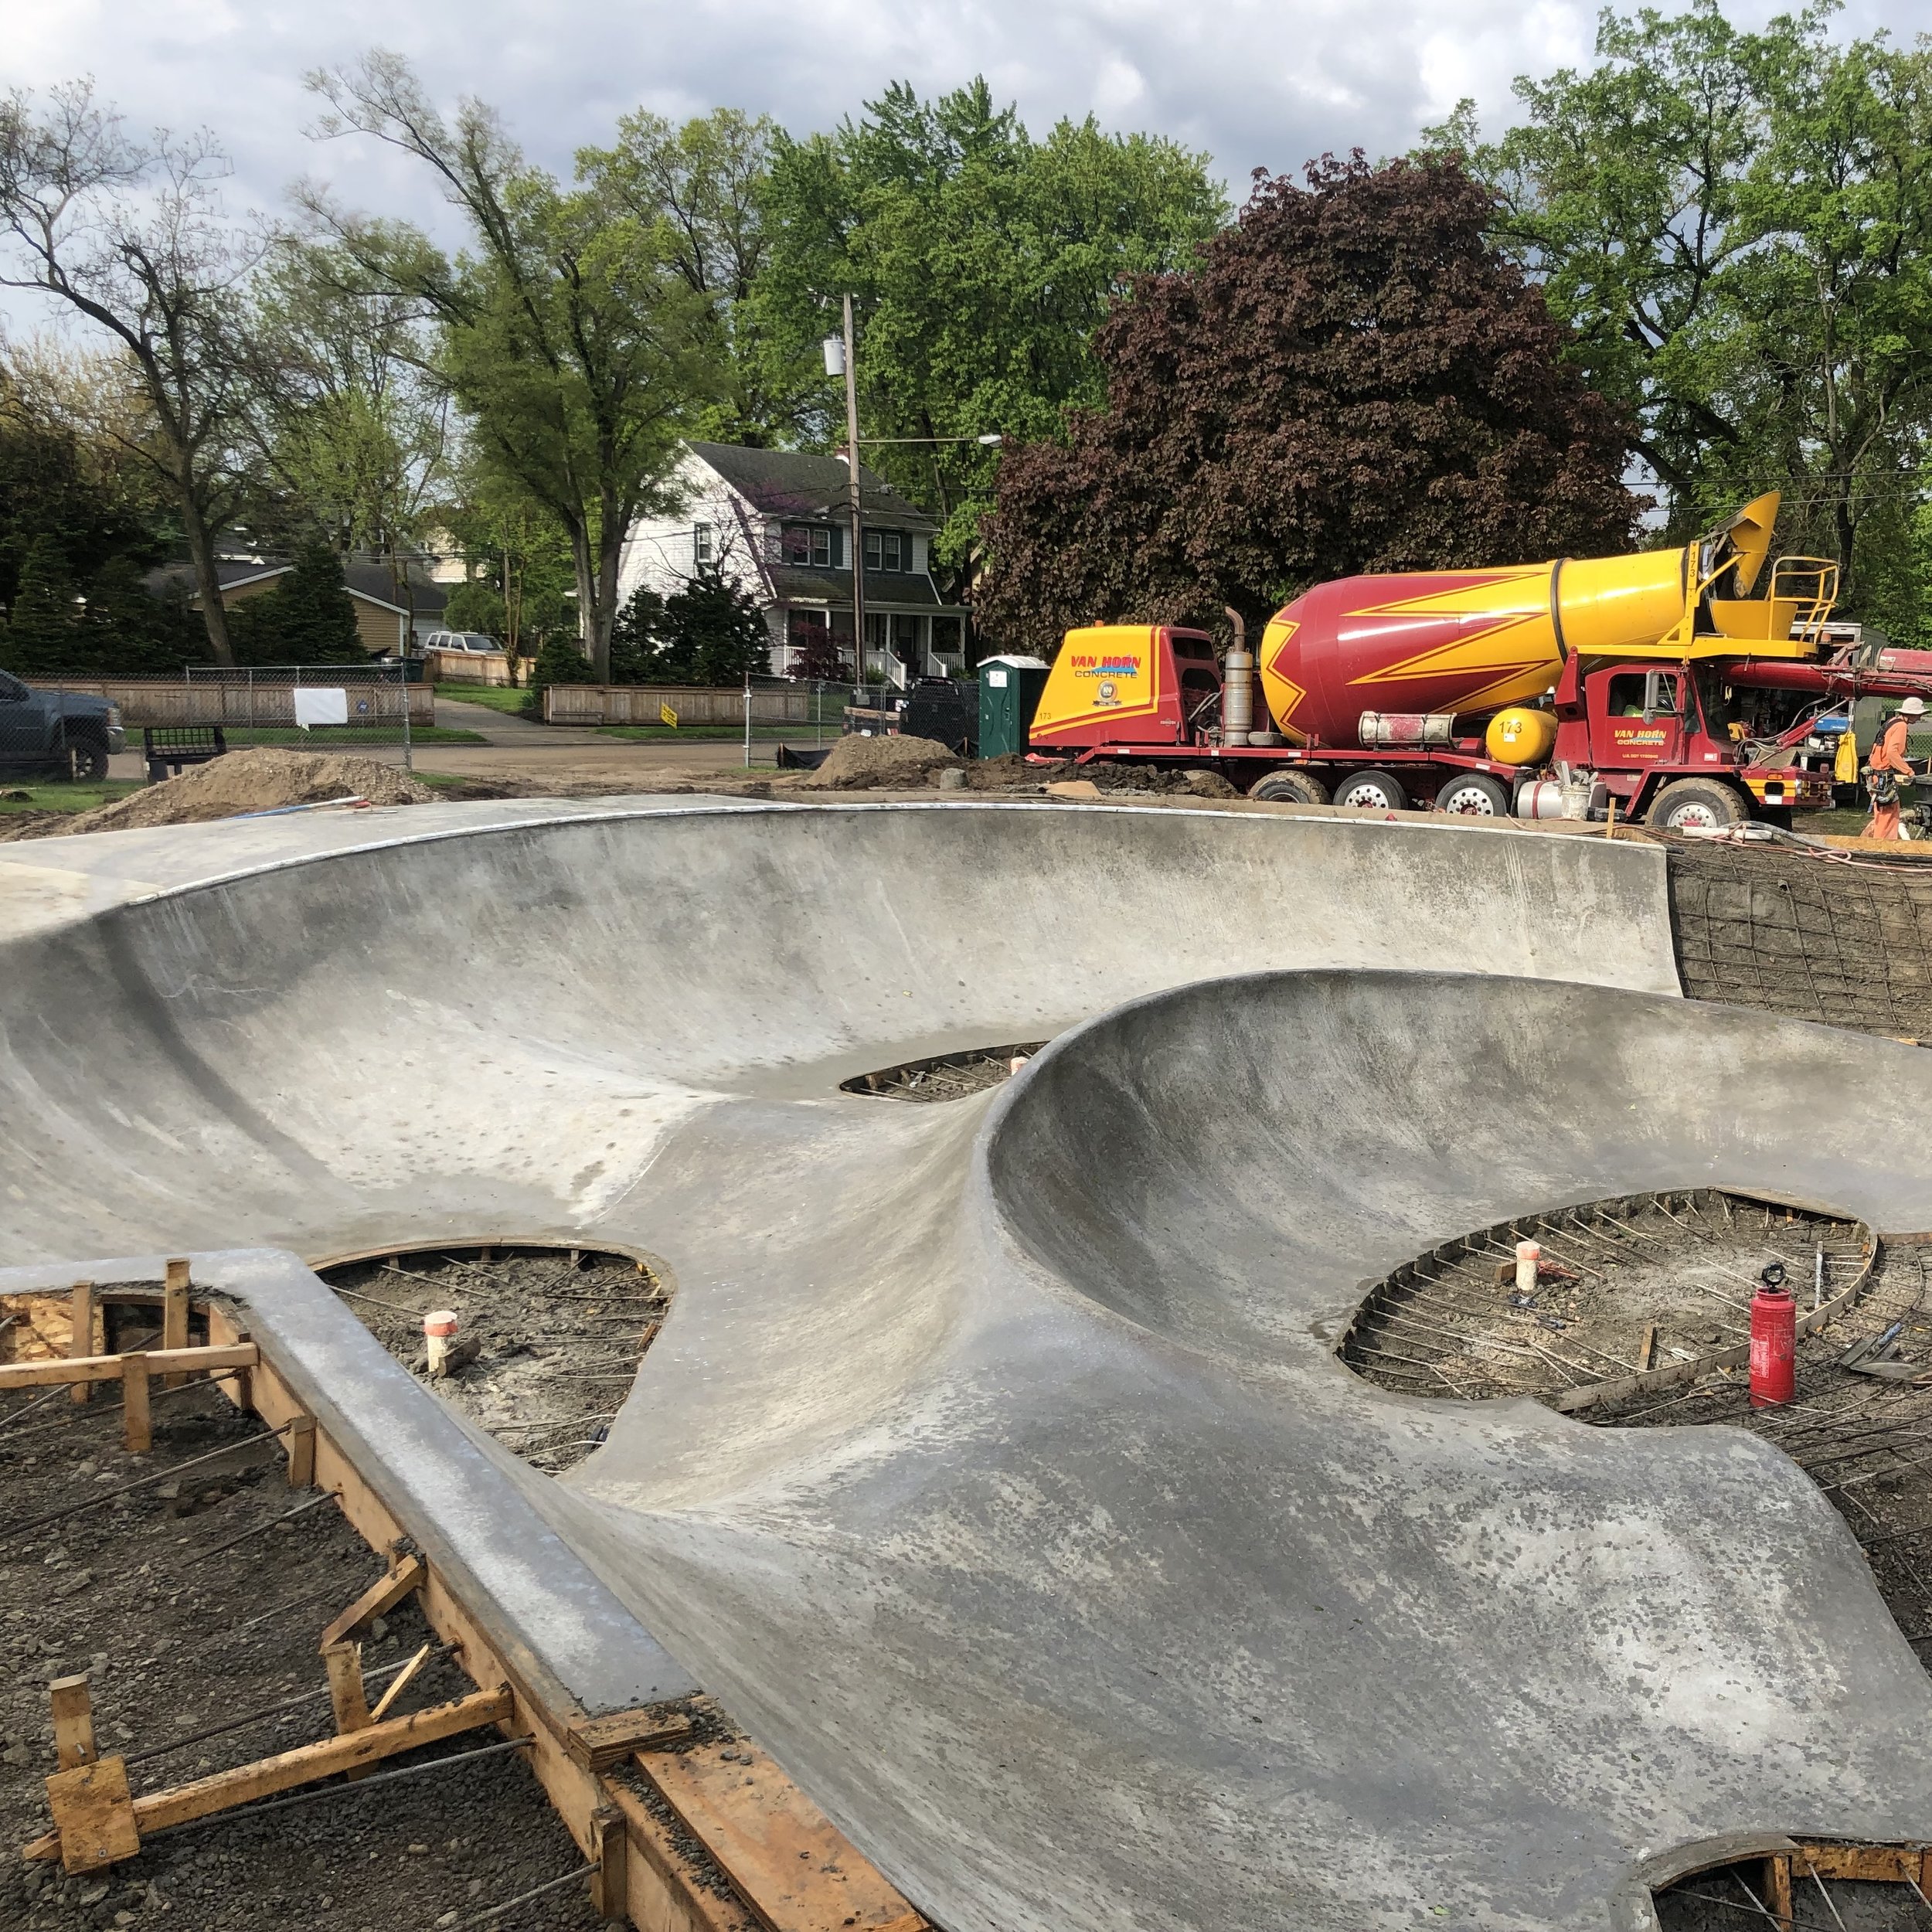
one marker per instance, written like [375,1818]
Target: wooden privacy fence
[474,667]
[642,704]
[237,699]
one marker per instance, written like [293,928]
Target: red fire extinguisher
[1774,1340]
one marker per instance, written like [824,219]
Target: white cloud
[1251,83]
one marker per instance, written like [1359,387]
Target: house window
[809,545]
[888,550]
[872,549]
[704,545]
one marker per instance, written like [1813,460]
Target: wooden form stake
[609,1849]
[73,1721]
[81,1341]
[174,1313]
[136,1417]
[1777,1889]
[302,1452]
[344,1663]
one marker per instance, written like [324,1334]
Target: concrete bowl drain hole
[547,1341]
[943,1076]
[1634,1296]
[1807,1887]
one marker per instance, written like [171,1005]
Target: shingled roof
[788,483]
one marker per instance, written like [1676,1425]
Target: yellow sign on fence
[668,716]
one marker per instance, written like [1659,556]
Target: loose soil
[857,763]
[178,1635]
[260,779]
[548,1347]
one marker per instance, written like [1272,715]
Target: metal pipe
[1237,684]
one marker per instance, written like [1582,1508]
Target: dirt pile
[257,780]
[857,763]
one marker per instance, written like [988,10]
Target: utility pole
[851,485]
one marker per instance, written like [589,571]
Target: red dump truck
[1541,690]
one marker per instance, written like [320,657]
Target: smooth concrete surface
[991,1466]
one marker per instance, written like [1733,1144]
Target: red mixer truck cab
[1481,691]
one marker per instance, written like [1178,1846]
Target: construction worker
[1890,771]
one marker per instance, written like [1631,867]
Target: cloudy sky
[1252,84]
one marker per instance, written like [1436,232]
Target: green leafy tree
[350,420]
[699,189]
[576,353]
[475,606]
[638,637]
[308,618]
[519,552]
[1739,228]
[43,634]
[1351,379]
[713,633]
[982,260]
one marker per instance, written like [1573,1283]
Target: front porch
[901,645]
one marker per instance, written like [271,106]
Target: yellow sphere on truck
[1519,735]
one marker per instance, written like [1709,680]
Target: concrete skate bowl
[993,1467]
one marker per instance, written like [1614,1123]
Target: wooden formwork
[789,1868]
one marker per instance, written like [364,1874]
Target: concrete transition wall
[993,1467]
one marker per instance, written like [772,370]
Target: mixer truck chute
[1479,691]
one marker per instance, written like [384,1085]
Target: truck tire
[1371,791]
[87,760]
[1698,805]
[1474,795]
[1296,787]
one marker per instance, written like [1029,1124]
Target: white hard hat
[1914,708]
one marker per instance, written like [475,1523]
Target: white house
[779,524]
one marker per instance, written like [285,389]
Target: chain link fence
[802,716]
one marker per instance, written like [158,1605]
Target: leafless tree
[132,235]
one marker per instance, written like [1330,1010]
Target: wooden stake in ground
[344,1663]
[81,1340]
[609,1849]
[136,1417]
[73,1721]
[302,1452]
[174,1313]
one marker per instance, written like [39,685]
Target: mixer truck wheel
[1296,787]
[1372,791]
[1475,795]
[1696,804]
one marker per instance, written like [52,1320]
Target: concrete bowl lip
[641,806]
[1325,1326]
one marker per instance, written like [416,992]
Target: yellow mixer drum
[1519,735]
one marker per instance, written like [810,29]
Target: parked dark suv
[63,732]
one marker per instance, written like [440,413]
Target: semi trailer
[1561,688]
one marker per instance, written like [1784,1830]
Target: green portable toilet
[1009,691]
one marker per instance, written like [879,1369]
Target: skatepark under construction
[1001,1466]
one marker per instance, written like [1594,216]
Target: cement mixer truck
[1565,689]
